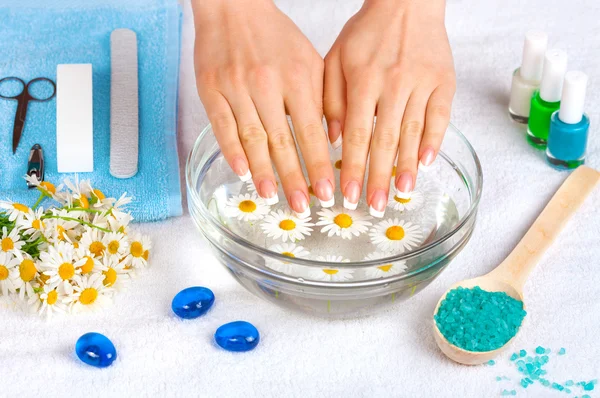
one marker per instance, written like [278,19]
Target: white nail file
[74,118]
[124,124]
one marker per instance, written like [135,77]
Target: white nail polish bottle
[526,79]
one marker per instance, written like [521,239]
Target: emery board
[124,111]
[74,118]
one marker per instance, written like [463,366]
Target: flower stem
[42,196]
[82,209]
[79,221]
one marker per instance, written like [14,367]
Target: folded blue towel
[37,36]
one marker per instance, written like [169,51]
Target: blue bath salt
[192,302]
[569,383]
[491,362]
[513,357]
[96,350]
[522,353]
[562,351]
[506,392]
[237,336]
[478,320]
[540,350]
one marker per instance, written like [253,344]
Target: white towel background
[389,354]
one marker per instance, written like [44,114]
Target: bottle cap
[533,55]
[555,67]
[573,97]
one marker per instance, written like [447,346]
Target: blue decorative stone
[192,302]
[95,349]
[237,336]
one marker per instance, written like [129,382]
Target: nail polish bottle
[569,126]
[547,100]
[526,79]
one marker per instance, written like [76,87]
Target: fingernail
[351,195]
[268,191]
[404,186]
[324,191]
[240,167]
[335,129]
[299,204]
[427,159]
[378,202]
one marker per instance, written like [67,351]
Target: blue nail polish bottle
[569,126]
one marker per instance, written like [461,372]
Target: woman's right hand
[252,65]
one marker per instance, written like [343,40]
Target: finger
[411,132]
[437,119]
[334,98]
[384,148]
[358,131]
[225,129]
[317,82]
[312,140]
[254,141]
[282,148]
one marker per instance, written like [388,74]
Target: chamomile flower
[251,187]
[27,280]
[139,250]
[51,300]
[114,272]
[116,244]
[16,211]
[285,225]
[61,229]
[118,208]
[9,273]
[87,293]
[289,250]
[416,201]
[11,242]
[99,201]
[92,241]
[344,223]
[60,263]
[385,269]
[247,207]
[32,224]
[120,223]
[45,187]
[332,274]
[396,235]
[79,195]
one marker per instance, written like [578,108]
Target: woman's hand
[253,64]
[393,60]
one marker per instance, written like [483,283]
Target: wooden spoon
[511,274]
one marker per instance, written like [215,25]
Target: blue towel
[37,35]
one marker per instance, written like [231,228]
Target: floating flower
[384,270]
[60,263]
[139,250]
[247,207]
[344,223]
[16,211]
[51,299]
[290,250]
[87,293]
[416,201]
[116,244]
[331,274]
[11,242]
[285,225]
[9,273]
[395,235]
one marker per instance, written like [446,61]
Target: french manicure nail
[335,129]
[268,191]
[324,191]
[378,203]
[240,167]
[404,186]
[427,159]
[351,195]
[299,204]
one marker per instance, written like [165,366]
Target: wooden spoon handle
[565,202]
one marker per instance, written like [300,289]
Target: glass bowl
[210,181]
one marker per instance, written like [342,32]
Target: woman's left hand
[392,60]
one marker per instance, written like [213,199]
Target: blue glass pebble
[96,350]
[237,336]
[192,302]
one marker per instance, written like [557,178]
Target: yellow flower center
[88,296]
[27,270]
[394,171]
[385,268]
[289,254]
[7,244]
[400,200]
[43,278]
[287,225]
[98,193]
[96,248]
[52,298]
[146,255]
[37,224]
[88,266]
[338,164]
[395,232]
[76,245]
[113,246]
[136,249]
[84,202]
[343,220]
[110,277]
[311,191]
[61,232]
[247,206]
[20,207]
[48,186]
[3,273]
[121,229]
[66,271]
[331,271]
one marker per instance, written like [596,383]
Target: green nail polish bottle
[547,100]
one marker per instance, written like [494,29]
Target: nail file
[74,118]
[124,110]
